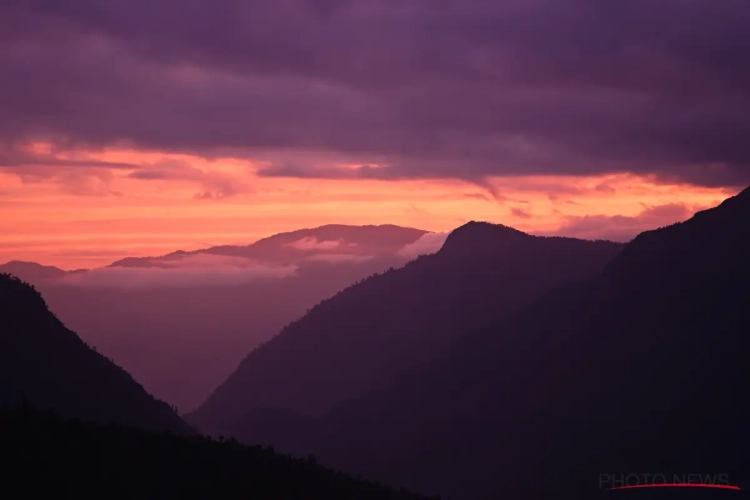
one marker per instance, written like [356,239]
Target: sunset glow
[76,217]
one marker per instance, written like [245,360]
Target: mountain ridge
[50,366]
[396,236]
[34,271]
[387,322]
[181,326]
[638,368]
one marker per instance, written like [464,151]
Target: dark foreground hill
[393,322]
[43,454]
[642,370]
[48,365]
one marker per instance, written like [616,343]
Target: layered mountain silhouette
[392,322]
[181,323]
[332,239]
[45,364]
[641,370]
[33,272]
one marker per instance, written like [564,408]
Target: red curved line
[679,485]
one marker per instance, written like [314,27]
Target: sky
[139,127]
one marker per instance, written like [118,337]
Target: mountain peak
[477,236]
[28,264]
[383,239]
[31,271]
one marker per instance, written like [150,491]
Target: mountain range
[33,272]
[503,365]
[396,321]
[639,367]
[334,241]
[74,424]
[182,322]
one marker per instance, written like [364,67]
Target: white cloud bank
[427,244]
[312,243]
[194,269]
[207,269]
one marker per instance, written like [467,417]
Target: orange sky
[84,217]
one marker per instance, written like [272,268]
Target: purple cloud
[214,184]
[624,228]
[425,88]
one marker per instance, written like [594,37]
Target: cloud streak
[312,243]
[209,268]
[192,270]
[625,228]
[426,244]
[214,184]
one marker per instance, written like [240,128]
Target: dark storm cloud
[430,88]
[11,157]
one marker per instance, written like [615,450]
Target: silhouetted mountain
[370,240]
[642,370]
[31,271]
[475,239]
[45,455]
[284,430]
[397,320]
[181,323]
[48,365]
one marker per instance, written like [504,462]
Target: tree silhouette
[42,453]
